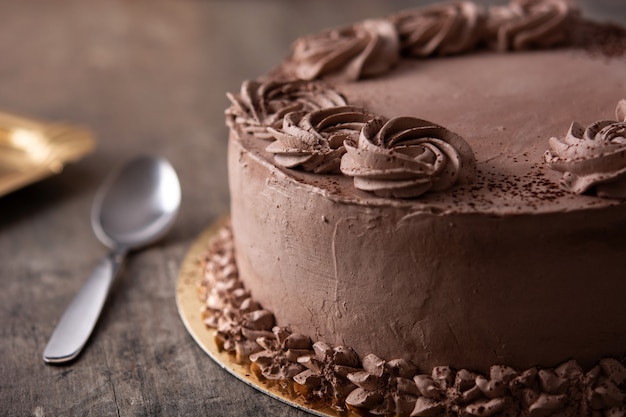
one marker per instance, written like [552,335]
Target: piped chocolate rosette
[528,24]
[261,105]
[593,159]
[365,49]
[374,47]
[442,29]
[405,157]
[314,141]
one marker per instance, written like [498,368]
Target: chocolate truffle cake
[428,215]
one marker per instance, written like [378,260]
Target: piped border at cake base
[328,381]
[190,307]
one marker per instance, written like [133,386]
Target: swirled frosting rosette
[260,105]
[363,50]
[593,159]
[440,29]
[406,157]
[526,24]
[314,141]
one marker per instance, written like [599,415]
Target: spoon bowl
[135,206]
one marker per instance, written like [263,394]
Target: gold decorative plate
[31,150]
[190,311]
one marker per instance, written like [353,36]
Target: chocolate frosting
[593,159]
[444,29]
[260,105]
[314,141]
[322,372]
[365,49]
[319,253]
[406,157]
[326,374]
[526,24]
[279,358]
[433,293]
[373,47]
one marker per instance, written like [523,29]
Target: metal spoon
[135,206]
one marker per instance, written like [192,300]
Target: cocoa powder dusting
[607,39]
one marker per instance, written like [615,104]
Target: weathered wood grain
[146,77]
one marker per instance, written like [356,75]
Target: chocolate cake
[428,215]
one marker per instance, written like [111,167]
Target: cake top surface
[513,109]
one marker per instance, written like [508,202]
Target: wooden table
[145,77]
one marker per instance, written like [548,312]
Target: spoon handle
[80,317]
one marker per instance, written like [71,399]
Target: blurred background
[145,77]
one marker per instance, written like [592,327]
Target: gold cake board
[31,150]
[190,310]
